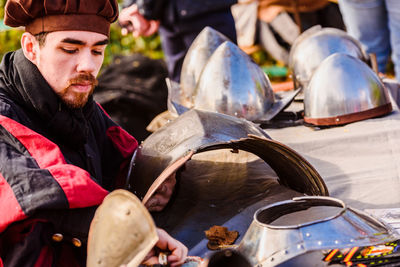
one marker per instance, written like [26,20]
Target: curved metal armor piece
[122,232]
[283,230]
[166,150]
[316,44]
[232,83]
[203,46]
[234,169]
[344,89]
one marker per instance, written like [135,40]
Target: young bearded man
[60,154]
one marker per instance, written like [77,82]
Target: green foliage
[261,57]
[276,71]
[126,45]
[2,4]
[9,41]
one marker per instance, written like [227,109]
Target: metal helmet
[195,131]
[344,89]
[316,44]
[289,228]
[196,58]
[122,232]
[232,83]
[229,165]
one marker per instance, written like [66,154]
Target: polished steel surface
[316,44]
[198,131]
[122,232]
[232,83]
[343,84]
[231,167]
[174,97]
[218,188]
[283,230]
[196,58]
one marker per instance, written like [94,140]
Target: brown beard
[79,99]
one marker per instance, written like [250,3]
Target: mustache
[82,78]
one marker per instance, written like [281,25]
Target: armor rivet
[337,119]
[228,253]
[308,234]
[319,243]
[351,240]
[336,242]
[76,242]
[57,237]
[183,12]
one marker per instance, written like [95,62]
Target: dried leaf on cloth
[219,236]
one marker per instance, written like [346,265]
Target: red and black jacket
[56,166]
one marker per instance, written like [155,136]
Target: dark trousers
[177,37]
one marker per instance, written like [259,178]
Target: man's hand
[166,243]
[132,21]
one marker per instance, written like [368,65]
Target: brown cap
[61,15]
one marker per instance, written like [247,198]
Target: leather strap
[352,117]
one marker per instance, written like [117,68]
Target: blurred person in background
[178,23]
[376,24]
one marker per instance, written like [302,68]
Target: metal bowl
[196,58]
[342,90]
[285,229]
[316,44]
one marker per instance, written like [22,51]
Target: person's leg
[221,21]
[330,16]
[174,50]
[270,44]
[177,38]
[393,8]
[366,20]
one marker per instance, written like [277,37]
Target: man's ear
[30,47]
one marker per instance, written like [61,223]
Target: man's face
[70,62]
